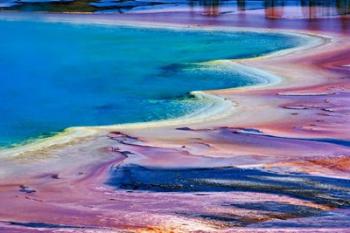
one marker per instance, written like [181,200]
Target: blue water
[56,75]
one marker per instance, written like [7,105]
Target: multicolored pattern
[279,162]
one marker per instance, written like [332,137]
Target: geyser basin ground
[278,162]
[59,75]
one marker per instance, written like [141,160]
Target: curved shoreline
[272,159]
[219,107]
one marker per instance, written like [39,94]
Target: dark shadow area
[279,209]
[328,191]
[273,8]
[41,225]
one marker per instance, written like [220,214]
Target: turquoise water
[56,75]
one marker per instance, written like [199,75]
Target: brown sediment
[335,165]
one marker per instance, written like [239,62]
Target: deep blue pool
[56,75]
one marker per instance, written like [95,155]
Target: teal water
[56,75]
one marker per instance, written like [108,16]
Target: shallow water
[56,75]
[224,179]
